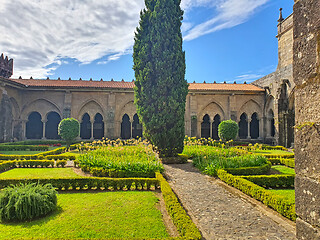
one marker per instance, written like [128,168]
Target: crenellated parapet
[6,66]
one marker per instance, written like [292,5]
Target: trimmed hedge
[89,183]
[278,203]
[35,163]
[23,148]
[289,162]
[267,147]
[61,163]
[6,165]
[279,155]
[250,170]
[61,157]
[272,181]
[186,228]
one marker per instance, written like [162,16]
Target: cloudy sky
[224,40]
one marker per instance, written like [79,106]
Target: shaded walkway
[219,213]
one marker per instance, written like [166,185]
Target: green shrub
[61,163]
[69,129]
[272,181]
[27,202]
[132,161]
[186,228]
[278,203]
[6,165]
[89,183]
[228,130]
[23,148]
[61,157]
[264,169]
[35,163]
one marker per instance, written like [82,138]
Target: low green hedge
[115,173]
[267,147]
[250,170]
[6,165]
[89,183]
[23,148]
[35,163]
[61,163]
[272,181]
[61,157]
[279,155]
[278,203]
[289,162]
[186,228]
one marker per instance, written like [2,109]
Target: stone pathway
[219,213]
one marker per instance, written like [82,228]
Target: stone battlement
[285,25]
[6,66]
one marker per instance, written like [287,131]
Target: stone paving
[218,213]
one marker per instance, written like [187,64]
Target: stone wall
[280,85]
[306,74]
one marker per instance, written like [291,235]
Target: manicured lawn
[24,173]
[95,215]
[287,193]
[283,169]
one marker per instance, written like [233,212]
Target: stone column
[23,125]
[43,129]
[306,74]
[261,128]
[249,136]
[92,138]
[199,129]
[211,121]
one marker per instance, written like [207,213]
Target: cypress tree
[159,65]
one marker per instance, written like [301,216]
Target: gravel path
[218,213]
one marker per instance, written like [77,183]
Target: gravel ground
[218,213]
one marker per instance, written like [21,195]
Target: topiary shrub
[68,130]
[27,201]
[228,130]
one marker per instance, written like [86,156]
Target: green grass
[95,215]
[287,193]
[26,152]
[283,169]
[25,173]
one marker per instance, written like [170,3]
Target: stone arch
[125,127]
[212,109]
[85,126]
[243,126]
[254,126]
[129,108]
[51,125]
[15,108]
[136,127]
[42,106]
[98,126]
[34,126]
[91,107]
[205,126]
[250,107]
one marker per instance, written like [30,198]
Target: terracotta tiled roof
[129,85]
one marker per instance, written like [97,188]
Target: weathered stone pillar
[43,129]
[261,128]
[249,135]
[110,120]
[306,73]
[92,123]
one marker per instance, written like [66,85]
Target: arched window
[205,126]
[136,127]
[271,122]
[254,126]
[125,127]
[243,126]
[98,127]
[34,126]
[85,127]
[53,120]
[215,125]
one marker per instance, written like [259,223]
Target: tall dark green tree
[159,65]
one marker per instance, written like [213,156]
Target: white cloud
[248,77]
[40,33]
[230,13]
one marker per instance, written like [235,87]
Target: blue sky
[224,40]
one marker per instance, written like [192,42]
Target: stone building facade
[306,75]
[280,86]
[264,110]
